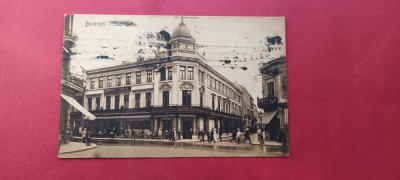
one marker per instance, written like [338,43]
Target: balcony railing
[171,109]
[74,80]
[268,103]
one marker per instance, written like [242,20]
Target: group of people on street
[236,136]
[86,136]
[211,135]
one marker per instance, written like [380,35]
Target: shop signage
[117,90]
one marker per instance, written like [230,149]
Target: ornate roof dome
[181,30]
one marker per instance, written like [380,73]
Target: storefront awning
[266,117]
[73,102]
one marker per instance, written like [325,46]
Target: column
[174,119]
[194,122]
[179,124]
[155,125]
[152,125]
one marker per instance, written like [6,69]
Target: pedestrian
[142,133]
[234,135]
[201,133]
[179,134]
[238,133]
[208,135]
[84,136]
[212,135]
[159,134]
[220,134]
[190,133]
[284,140]
[166,135]
[260,136]
[88,137]
[247,135]
[112,134]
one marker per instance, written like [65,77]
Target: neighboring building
[274,101]
[247,107]
[176,89]
[72,87]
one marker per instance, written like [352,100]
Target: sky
[243,40]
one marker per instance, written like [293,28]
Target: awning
[73,102]
[266,117]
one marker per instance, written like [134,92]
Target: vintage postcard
[173,86]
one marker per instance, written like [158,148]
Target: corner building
[176,89]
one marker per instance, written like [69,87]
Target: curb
[78,150]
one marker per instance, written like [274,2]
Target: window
[202,77]
[148,99]
[201,99]
[199,75]
[109,81]
[108,102]
[219,104]
[92,84]
[213,102]
[137,100]
[186,98]
[211,79]
[219,87]
[169,73]
[118,80]
[270,88]
[128,79]
[215,84]
[138,77]
[162,71]
[97,103]
[126,101]
[100,82]
[89,104]
[149,76]
[182,72]
[190,73]
[116,102]
[165,98]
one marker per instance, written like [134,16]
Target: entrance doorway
[187,124]
[167,125]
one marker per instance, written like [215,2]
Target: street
[105,151]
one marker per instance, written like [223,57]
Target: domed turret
[181,30]
[182,43]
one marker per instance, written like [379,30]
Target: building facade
[274,101]
[176,89]
[72,111]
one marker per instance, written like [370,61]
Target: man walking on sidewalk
[88,137]
[233,135]
[201,133]
[247,135]
[260,136]
[220,134]
[212,135]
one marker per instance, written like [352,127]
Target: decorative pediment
[165,87]
[202,89]
[186,85]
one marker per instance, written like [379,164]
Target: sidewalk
[75,147]
[225,145]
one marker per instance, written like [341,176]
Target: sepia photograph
[137,86]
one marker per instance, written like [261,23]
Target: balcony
[74,80]
[268,103]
